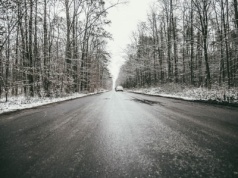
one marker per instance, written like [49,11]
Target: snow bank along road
[120,135]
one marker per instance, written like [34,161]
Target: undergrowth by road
[218,95]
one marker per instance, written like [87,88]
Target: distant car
[119,88]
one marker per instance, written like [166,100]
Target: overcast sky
[124,21]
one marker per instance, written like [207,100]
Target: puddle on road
[149,102]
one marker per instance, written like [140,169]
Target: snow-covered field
[21,102]
[219,95]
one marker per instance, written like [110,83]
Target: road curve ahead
[119,134]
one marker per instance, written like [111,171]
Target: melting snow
[218,95]
[22,102]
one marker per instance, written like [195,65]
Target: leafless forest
[53,47]
[189,42]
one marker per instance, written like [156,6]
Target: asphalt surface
[119,134]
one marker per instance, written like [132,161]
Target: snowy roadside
[21,102]
[222,96]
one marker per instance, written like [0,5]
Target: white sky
[125,19]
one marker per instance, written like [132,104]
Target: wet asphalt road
[120,135]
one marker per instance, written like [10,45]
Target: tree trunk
[68,44]
[175,49]
[236,12]
[192,47]
[45,51]
[226,42]
[30,74]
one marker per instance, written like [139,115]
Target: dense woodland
[188,42]
[53,47]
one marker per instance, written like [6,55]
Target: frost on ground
[217,94]
[22,102]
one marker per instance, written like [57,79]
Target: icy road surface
[120,135]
